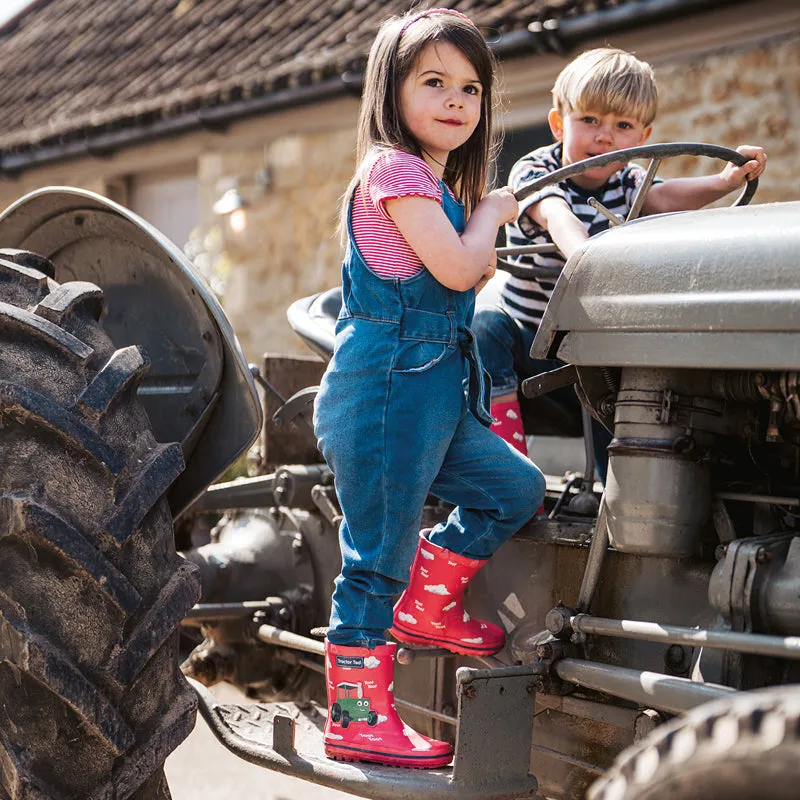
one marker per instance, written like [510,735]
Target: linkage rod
[614,219]
[527,249]
[650,689]
[754,643]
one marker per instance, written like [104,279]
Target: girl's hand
[488,274]
[733,176]
[503,203]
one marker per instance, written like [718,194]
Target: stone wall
[744,96]
[288,247]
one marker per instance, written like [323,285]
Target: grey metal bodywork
[199,390]
[718,288]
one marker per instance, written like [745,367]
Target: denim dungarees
[402,412]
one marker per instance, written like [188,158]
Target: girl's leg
[496,491]
[384,462]
[363,723]
[385,448]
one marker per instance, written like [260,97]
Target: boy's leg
[499,340]
[499,343]
[568,400]
[505,345]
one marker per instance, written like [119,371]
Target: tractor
[652,623]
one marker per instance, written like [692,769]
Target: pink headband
[435,11]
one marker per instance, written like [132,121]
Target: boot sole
[461,649]
[387,759]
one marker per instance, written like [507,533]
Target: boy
[604,100]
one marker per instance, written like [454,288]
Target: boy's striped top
[526,299]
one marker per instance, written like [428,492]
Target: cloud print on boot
[437,588]
[418,741]
[370,662]
[409,618]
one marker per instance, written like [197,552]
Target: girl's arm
[456,261]
[685,194]
[488,273]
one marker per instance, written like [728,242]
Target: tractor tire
[91,588]
[746,746]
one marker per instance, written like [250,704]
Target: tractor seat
[314,320]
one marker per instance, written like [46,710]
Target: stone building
[230,124]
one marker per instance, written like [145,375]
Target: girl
[402,407]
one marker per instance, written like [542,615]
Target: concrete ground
[203,769]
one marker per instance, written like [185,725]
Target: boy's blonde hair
[610,81]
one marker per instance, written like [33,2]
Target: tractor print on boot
[363,724]
[352,706]
[430,611]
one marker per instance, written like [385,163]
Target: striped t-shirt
[394,174]
[526,298]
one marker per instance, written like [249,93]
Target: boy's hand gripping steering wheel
[656,153]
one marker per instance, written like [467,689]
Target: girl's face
[592,133]
[440,102]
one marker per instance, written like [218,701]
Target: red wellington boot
[430,610]
[363,724]
[508,424]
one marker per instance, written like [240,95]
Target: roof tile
[67,66]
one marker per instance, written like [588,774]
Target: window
[169,201]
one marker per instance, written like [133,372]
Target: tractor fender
[199,390]
[710,289]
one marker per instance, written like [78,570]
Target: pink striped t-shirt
[394,174]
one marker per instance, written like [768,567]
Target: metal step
[492,753]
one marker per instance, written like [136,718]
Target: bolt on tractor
[652,623]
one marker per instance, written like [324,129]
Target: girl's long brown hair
[381,127]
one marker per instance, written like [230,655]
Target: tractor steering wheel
[656,153]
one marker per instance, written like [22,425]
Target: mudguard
[716,288]
[199,390]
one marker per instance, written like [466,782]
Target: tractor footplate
[288,738]
[408,653]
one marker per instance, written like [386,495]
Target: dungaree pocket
[425,339]
[417,356]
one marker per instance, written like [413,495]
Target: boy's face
[592,133]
